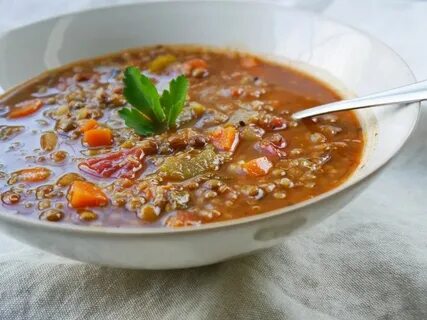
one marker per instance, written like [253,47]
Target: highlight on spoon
[402,95]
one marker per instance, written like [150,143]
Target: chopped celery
[180,167]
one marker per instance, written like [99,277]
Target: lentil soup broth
[234,153]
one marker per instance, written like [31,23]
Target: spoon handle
[410,93]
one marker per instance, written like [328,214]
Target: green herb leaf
[134,91]
[151,113]
[136,120]
[174,99]
[152,97]
[167,103]
[140,92]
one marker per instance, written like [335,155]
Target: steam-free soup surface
[67,156]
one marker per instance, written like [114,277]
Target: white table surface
[398,199]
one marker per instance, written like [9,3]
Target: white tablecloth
[367,262]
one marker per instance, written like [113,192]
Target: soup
[92,144]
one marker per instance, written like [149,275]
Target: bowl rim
[144,231]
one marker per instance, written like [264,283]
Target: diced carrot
[183,219]
[36,174]
[225,139]
[249,62]
[123,183]
[85,194]
[258,167]
[148,194]
[88,125]
[98,137]
[196,63]
[193,64]
[149,213]
[25,108]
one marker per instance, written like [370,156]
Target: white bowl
[344,57]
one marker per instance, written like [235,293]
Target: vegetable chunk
[258,167]
[89,125]
[36,174]
[161,62]
[184,219]
[120,164]
[225,139]
[151,113]
[25,108]
[98,137]
[85,194]
[181,168]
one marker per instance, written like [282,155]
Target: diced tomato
[121,164]
[98,137]
[258,167]
[25,108]
[225,139]
[85,194]
[183,219]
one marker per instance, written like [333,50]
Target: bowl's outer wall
[261,28]
[179,250]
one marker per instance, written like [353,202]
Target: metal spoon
[410,93]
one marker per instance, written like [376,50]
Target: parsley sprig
[149,112]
